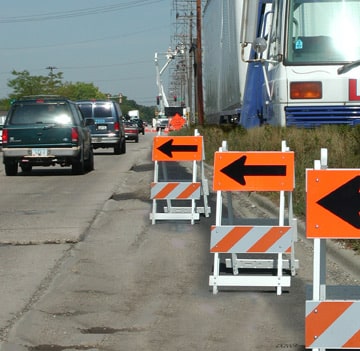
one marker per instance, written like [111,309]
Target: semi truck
[281,62]
[134,114]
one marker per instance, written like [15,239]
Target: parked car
[44,131]
[108,130]
[131,131]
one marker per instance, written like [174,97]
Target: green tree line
[25,84]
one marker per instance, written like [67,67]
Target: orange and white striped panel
[251,239]
[332,324]
[175,191]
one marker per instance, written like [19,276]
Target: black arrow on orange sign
[344,202]
[238,170]
[168,148]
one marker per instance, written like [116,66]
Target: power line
[78,13]
[107,66]
[51,69]
[119,79]
[150,61]
[145,30]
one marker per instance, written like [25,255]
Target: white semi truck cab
[297,63]
[310,63]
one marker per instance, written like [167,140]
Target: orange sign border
[158,155]
[255,183]
[320,222]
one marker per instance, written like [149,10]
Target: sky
[110,43]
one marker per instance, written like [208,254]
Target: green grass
[342,143]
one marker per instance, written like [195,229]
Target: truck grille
[313,116]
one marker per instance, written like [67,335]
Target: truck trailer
[281,62]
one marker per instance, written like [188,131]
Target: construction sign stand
[173,149]
[332,312]
[254,245]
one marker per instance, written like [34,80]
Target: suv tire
[78,165]
[123,147]
[26,168]
[117,148]
[11,168]
[120,147]
[89,163]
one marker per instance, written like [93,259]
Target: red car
[131,131]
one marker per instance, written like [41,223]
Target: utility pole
[51,68]
[51,85]
[190,71]
[200,97]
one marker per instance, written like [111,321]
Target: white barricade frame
[331,312]
[200,192]
[280,258]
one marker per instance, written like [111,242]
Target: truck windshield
[323,31]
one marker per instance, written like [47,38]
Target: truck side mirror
[259,45]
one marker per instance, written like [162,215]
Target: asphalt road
[83,268]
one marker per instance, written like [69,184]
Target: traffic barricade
[253,249]
[184,199]
[332,206]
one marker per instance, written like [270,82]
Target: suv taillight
[116,126]
[5,136]
[74,135]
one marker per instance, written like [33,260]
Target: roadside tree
[25,84]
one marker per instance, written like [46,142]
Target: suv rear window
[102,111]
[41,113]
[96,110]
[86,110]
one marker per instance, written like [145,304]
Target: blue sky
[110,43]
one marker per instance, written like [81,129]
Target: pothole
[60,348]
[130,196]
[107,330]
[146,167]
[93,330]
[99,330]
[34,212]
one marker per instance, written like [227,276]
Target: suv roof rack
[42,96]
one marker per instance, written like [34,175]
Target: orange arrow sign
[177,148]
[333,203]
[253,171]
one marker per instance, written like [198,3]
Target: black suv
[141,126]
[108,130]
[44,131]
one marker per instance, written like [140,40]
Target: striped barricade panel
[332,324]
[251,239]
[175,191]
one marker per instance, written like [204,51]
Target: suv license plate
[101,127]
[40,152]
